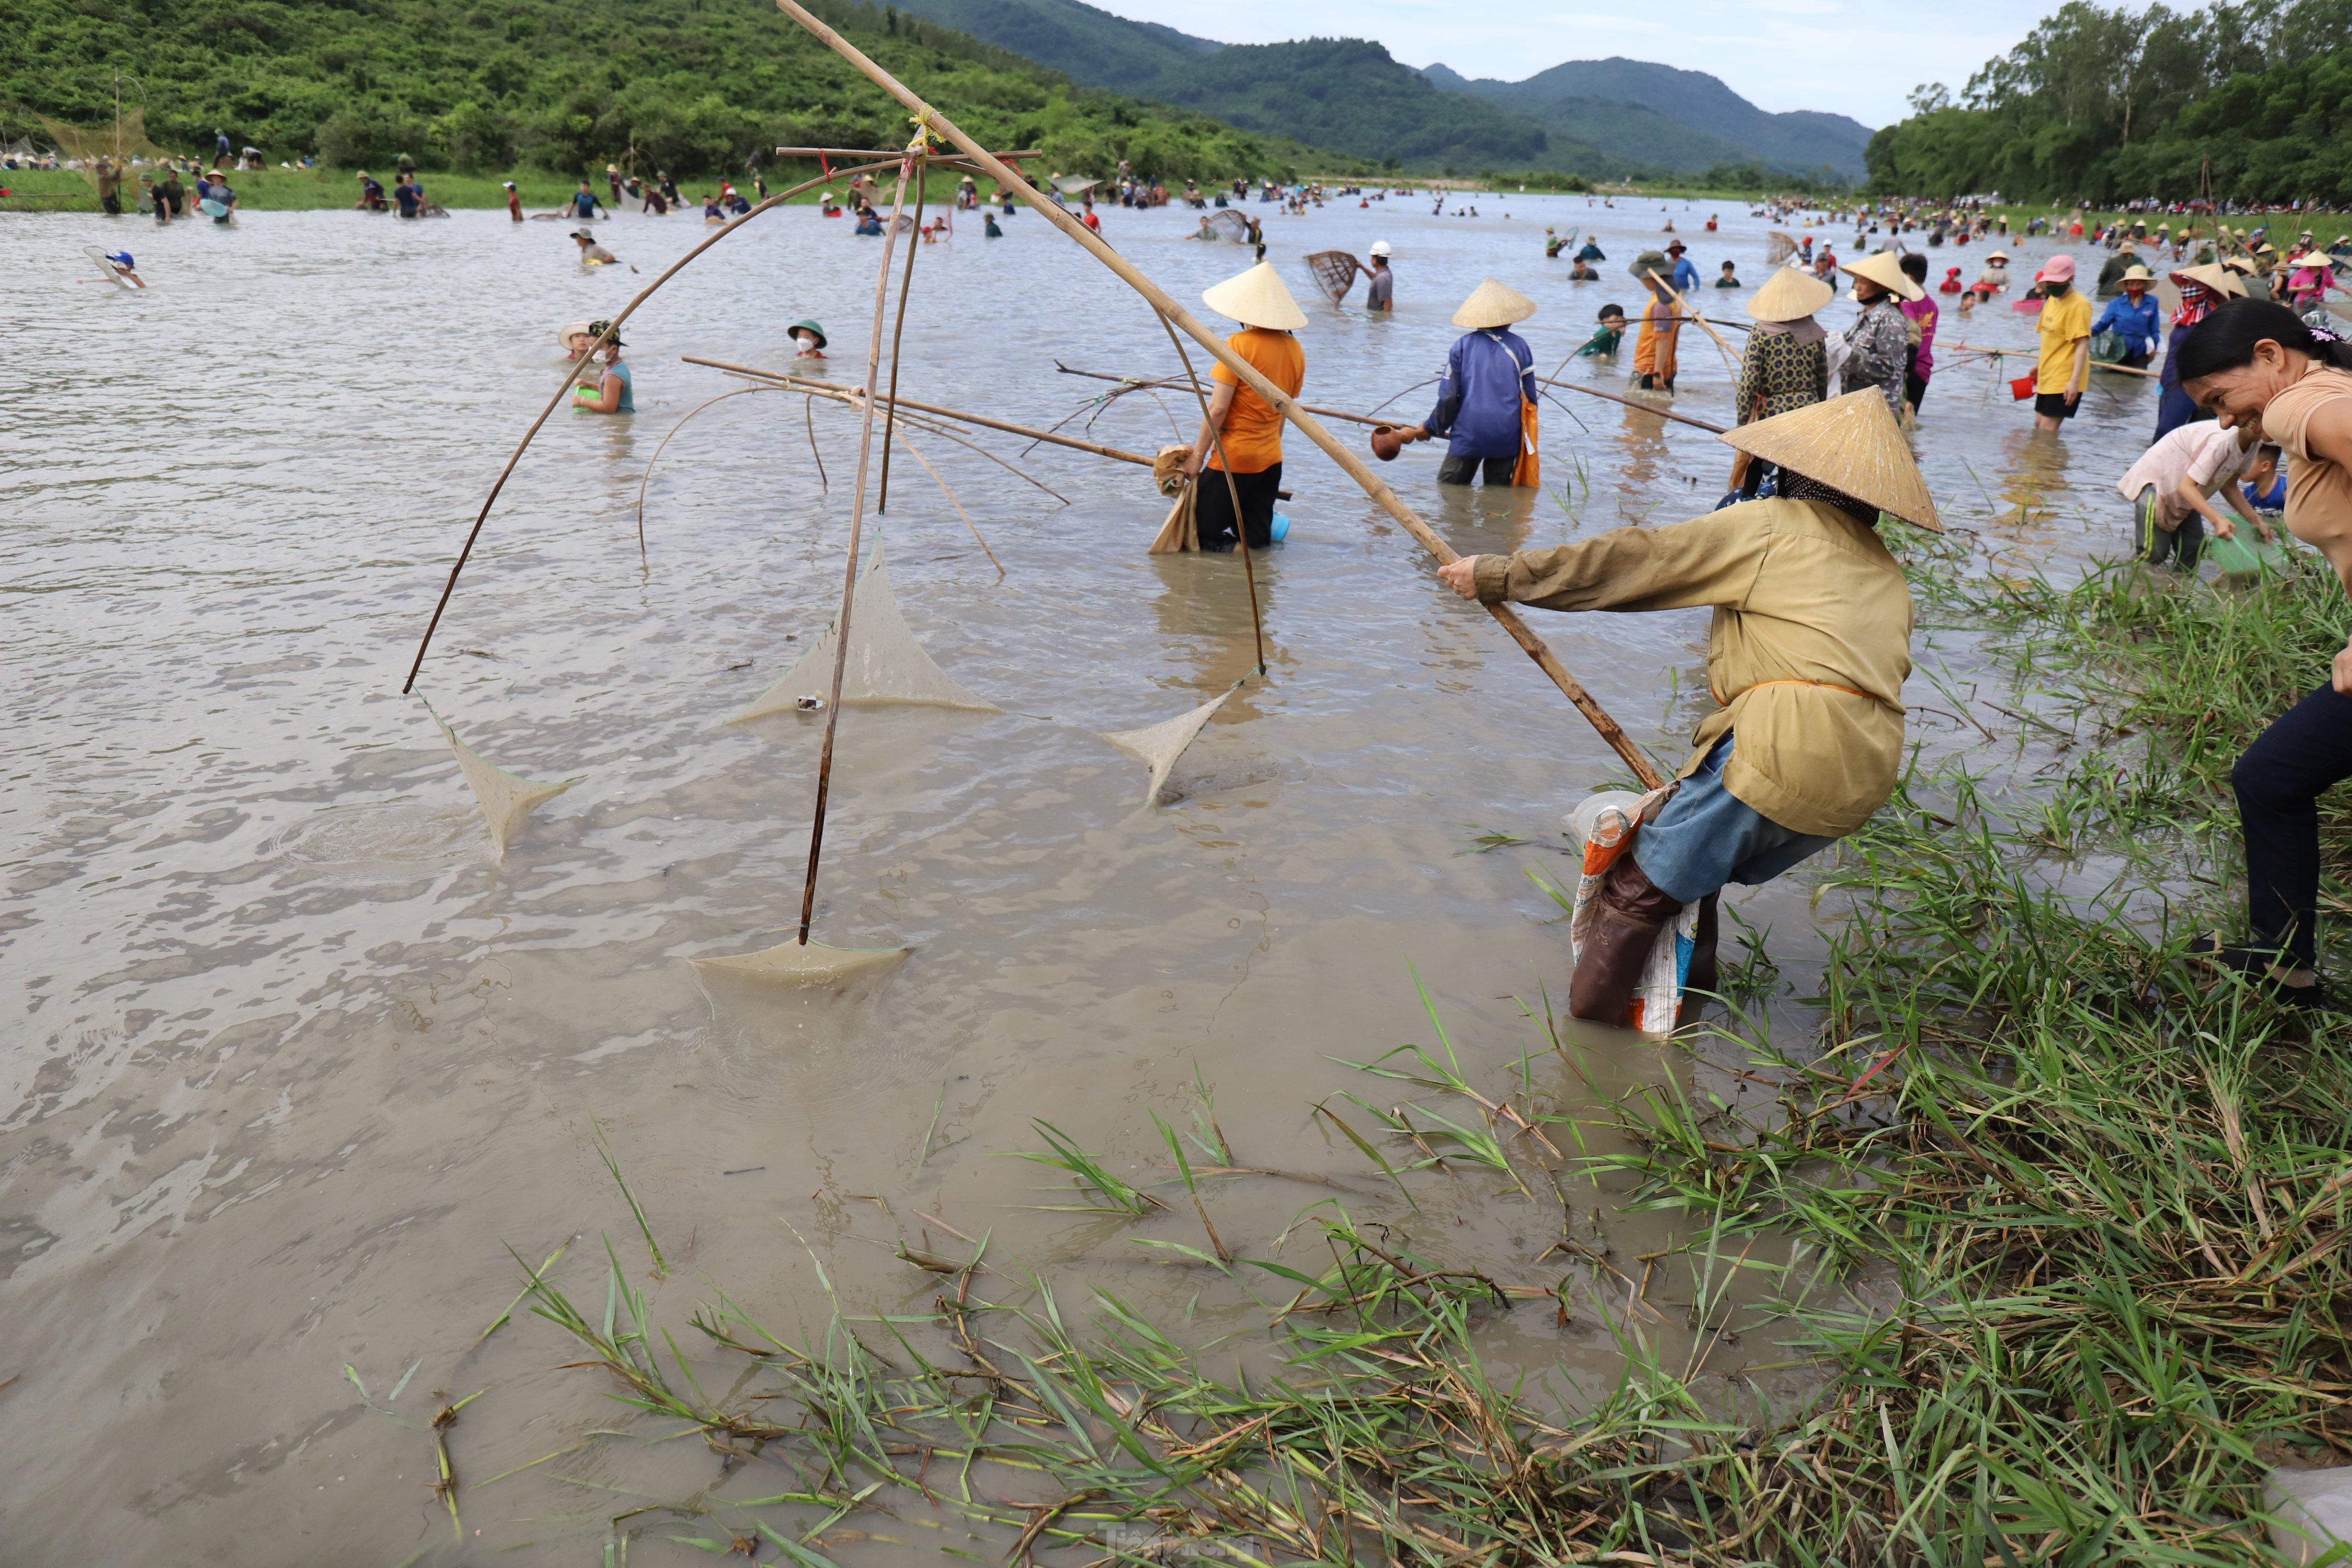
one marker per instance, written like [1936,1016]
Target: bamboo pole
[845,395]
[1629,403]
[1194,385]
[1248,374]
[571,374]
[1690,315]
[911,164]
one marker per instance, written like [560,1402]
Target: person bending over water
[2257,364]
[1239,441]
[1806,658]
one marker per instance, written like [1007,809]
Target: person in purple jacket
[1490,374]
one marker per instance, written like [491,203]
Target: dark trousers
[2175,407]
[2304,753]
[1461,470]
[1214,504]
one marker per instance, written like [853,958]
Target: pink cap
[2057,269]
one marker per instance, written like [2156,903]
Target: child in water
[1611,332]
[808,339]
[2265,485]
[1729,280]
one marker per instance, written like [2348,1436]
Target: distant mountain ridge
[1606,117]
[1586,99]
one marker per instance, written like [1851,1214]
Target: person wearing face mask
[2064,370]
[808,339]
[2257,365]
[1878,344]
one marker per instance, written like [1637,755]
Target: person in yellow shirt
[1806,659]
[1240,442]
[2064,368]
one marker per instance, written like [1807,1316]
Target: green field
[294,190]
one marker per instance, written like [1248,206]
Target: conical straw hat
[1257,299]
[1850,444]
[1790,294]
[1885,269]
[1493,305]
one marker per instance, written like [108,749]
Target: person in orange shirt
[1240,443]
[1653,348]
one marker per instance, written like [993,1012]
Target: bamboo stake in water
[1246,373]
[570,376]
[907,164]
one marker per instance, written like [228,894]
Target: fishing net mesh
[123,139]
[504,798]
[886,663]
[1157,746]
[1335,273]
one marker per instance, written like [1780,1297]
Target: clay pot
[1388,440]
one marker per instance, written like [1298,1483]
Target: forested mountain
[1347,94]
[692,86]
[1604,119]
[2247,101]
[1083,42]
[1659,114]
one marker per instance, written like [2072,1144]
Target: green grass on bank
[2064,1224]
[297,190]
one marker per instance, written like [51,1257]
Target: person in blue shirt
[1489,377]
[2134,317]
[605,389]
[1685,277]
[584,205]
[1590,254]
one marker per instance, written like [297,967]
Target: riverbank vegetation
[2107,104]
[688,86]
[2060,1225]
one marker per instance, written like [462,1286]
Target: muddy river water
[291,1059]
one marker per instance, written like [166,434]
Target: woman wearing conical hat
[1786,365]
[1240,443]
[1878,344]
[1806,658]
[1485,396]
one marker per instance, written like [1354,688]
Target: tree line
[690,87]
[2242,100]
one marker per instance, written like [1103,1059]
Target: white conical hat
[1850,444]
[1886,268]
[1257,299]
[1790,294]
[1491,304]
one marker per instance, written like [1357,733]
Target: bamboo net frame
[931,120]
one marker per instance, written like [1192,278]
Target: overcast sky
[1841,55]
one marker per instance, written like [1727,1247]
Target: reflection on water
[293,1060]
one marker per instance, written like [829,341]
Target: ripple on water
[378,844]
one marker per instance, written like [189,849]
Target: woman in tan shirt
[1807,657]
[2252,363]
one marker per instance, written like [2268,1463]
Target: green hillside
[692,86]
[1347,94]
[2100,105]
[1081,41]
[1684,120]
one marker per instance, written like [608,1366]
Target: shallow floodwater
[293,1058]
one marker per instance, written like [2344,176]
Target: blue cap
[120,259]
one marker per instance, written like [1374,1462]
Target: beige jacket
[1810,648]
